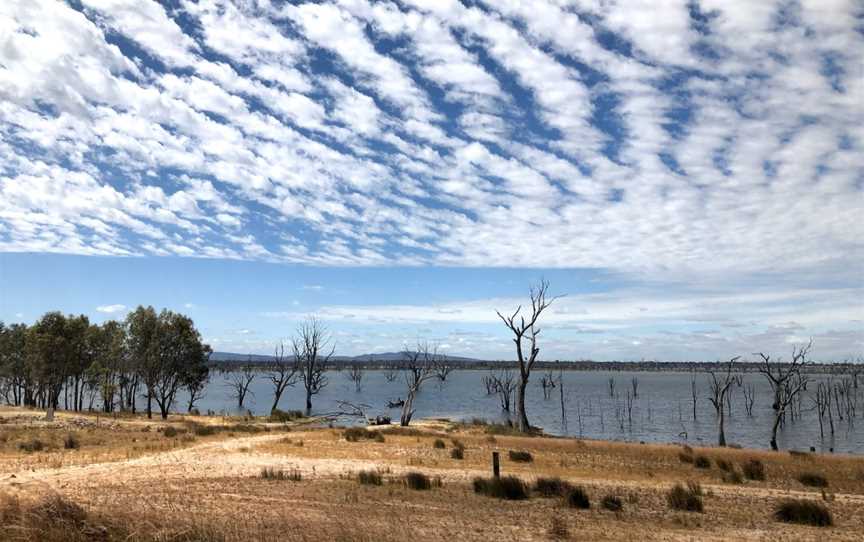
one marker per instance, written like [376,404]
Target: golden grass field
[127,480]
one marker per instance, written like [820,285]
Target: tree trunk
[308,401]
[149,404]
[276,396]
[721,438]
[777,417]
[522,420]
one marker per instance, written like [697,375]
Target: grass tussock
[355,434]
[702,462]
[270,473]
[282,416]
[457,453]
[612,503]
[733,476]
[520,456]
[803,512]
[32,445]
[370,478]
[577,497]
[685,457]
[813,479]
[551,487]
[52,519]
[439,444]
[687,498]
[724,464]
[71,442]
[170,431]
[506,487]
[753,469]
[420,482]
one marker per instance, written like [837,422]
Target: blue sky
[689,174]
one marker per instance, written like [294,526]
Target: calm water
[662,412]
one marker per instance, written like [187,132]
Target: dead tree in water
[719,392]
[489,382]
[355,375]
[443,368]
[634,382]
[822,402]
[611,387]
[312,350]
[693,393]
[786,382]
[525,329]
[419,366]
[391,374]
[547,382]
[282,372]
[749,391]
[239,381]
[504,384]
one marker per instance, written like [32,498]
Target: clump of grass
[724,464]
[686,498]
[202,430]
[457,453]
[612,503]
[551,487]
[71,442]
[577,497]
[803,512]
[753,469]
[520,456]
[687,449]
[369,478]
[702,462]
[798,454]
[417,480]
[684,457]
[813,479]
[51,519]
[270,473]
[170,432]
[506,487]
[32,445]
[282,416]
[354,434]
[439,444]
[733,476]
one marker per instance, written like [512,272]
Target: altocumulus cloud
[644,137]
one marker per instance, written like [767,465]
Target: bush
[71,442]
[813,479]
[702,462]
[203,430]
[457,453]
[170,432]
[282,416]
[723,464]
[32,445]
[353,434]
[753,469]
[612,503]
[507,487]
[551,487]
[418,481]
[370,478]
[577,497]
[733,476]
[803,512]
[520,456]
[684,457]
[439,444]
[685,498]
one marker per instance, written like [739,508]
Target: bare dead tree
[822,403]
[628,397]
[561,398]
[634,383]
[239,380]
[786,382]
[525,329]
[355,375]
[391,374]
[749,391]
[443,368]
[312,350]
[282,372]
[693,393]
[547,382]
[720,386]
[504,384]
[419,366]
[489,382]
[611,387]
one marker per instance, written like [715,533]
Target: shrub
[506,487]
[577,497]
[813,479]
[723,464]
[369,478]
[684,457]
[353,434]
[457,453]
[733,476]
[702,462]
[439,444]
[417,480]
[685,498]
[32,445]
[520,456]
[71,442]
[170,432]
[551,487]
[612,503]
[803,512]
[753,469]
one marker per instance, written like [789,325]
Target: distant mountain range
[384,356]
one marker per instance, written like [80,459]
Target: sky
[689,176]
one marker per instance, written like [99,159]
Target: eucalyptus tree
[787,382]
[721,384]
[525,332]
[313,349]
[282,372]
[418,366]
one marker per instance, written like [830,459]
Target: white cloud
[111,309]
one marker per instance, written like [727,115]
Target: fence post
[496,466]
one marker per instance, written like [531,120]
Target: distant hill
[384,356]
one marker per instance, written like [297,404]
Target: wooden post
[49,415]
[496,466]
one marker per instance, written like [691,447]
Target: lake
[662,411]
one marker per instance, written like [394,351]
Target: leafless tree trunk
[239,381]
[282,372]
[693,393]
[355,375]
[634,382]
[443,368]
[419,366]
[786,382]
[504,384]
[526,329]
[719,391]
[312,350]
[547,382]
[391,374]
[611,387]
[749,391]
